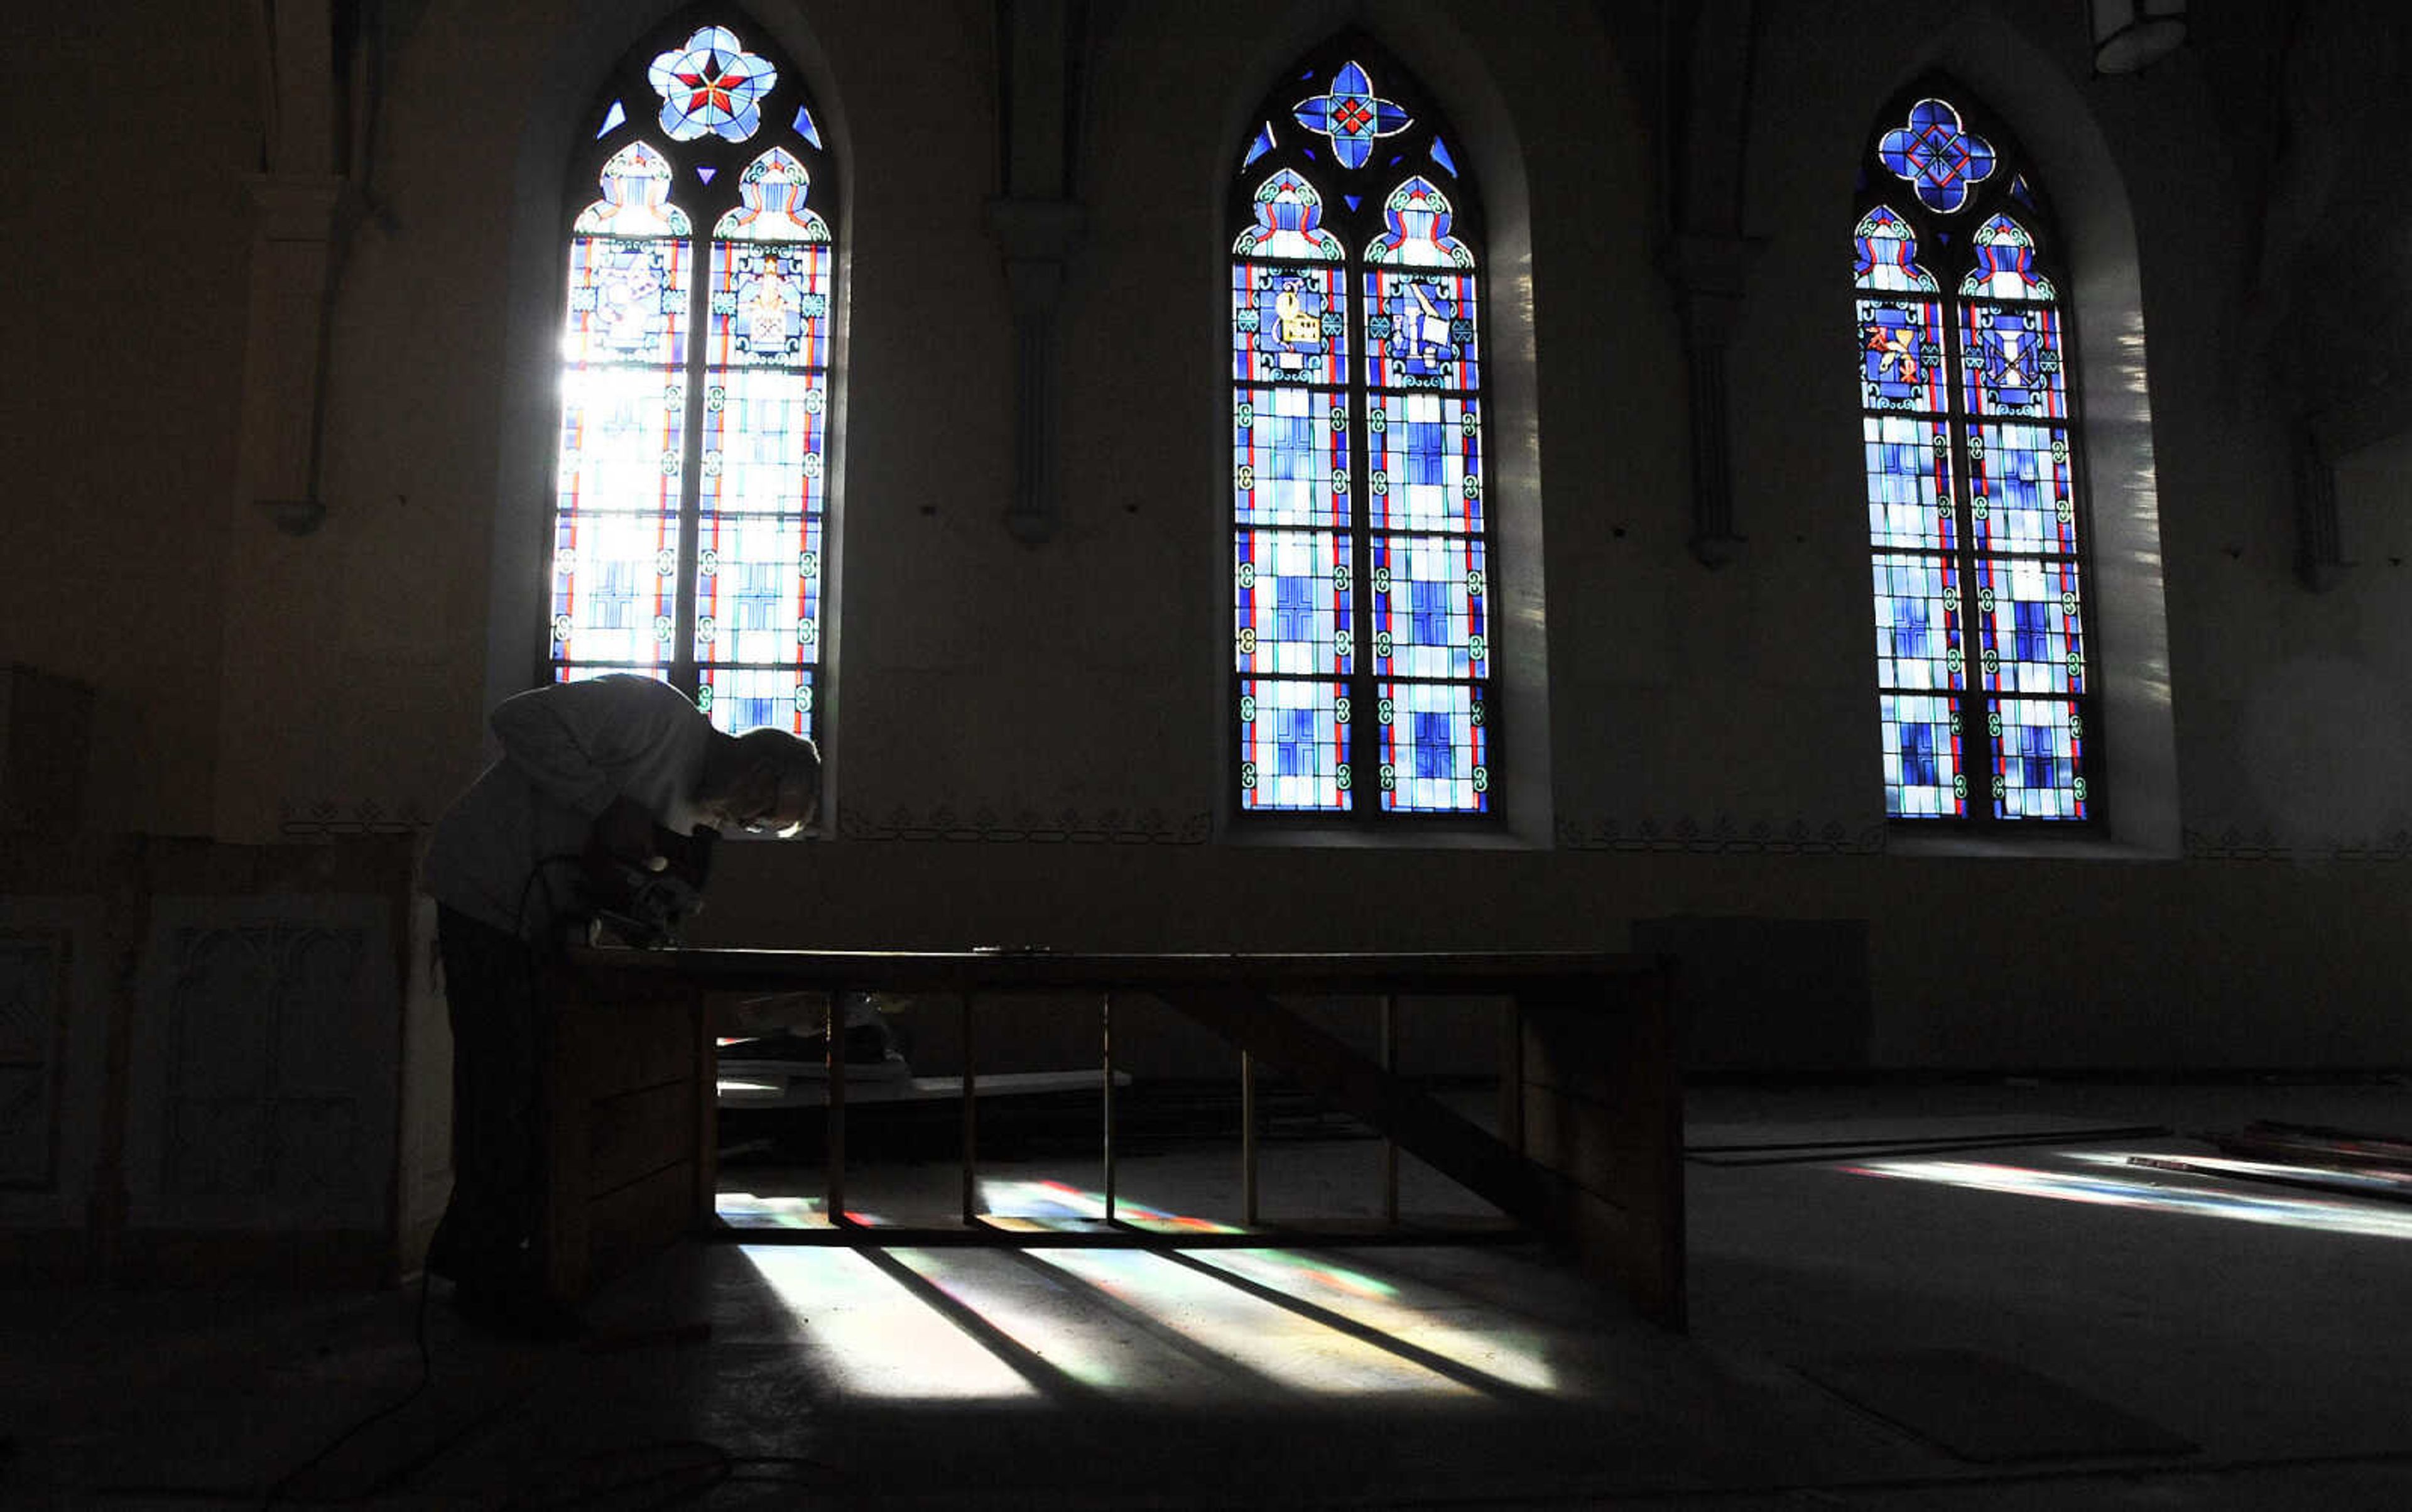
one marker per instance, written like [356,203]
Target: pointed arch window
[692,477]
[1361,575]
[1986,690]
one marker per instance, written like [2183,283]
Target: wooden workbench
[1591,1115]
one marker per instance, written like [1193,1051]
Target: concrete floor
[1870,1329]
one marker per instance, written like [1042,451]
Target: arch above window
[691,470]
[1362,683]
[1989,703]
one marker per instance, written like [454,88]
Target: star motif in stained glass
[711,84]
[1937,156]
[1352,115]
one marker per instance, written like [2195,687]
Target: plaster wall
[125,267]
[1024,741]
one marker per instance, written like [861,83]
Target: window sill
[1442,836]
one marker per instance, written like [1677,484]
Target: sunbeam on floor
[972,1324]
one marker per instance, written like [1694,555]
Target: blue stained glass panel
[2010,360]
[2028,612]
[627,302]
[770,304]
[1292,743]
[752,697]
[757,589]
[1924,777]
[1939,158]
[1352,115]
[1419,328]
[1290,457]
[1426,468]
[1435,747]
[2038,759]
[1289,213]
[1918,624]
[611,121]
[1440,155]
[1430,605]
[1261,143]
[622,431]
[2006,263]
[806,127]
[614,589]
[1885,254]
[765,437]
[1289,325]
[1902,363]
[1909,482]
[1294,599]
[2020,478]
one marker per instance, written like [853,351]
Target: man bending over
[588,769]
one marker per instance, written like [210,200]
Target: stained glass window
[691,492]
[1362,642]
[1985,697]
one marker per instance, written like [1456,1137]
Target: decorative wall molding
[327,819]
[2235,844]
[1110,826]
[1722,836]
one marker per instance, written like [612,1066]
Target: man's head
[765,781]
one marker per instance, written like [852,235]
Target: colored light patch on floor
[1055,1319]
[1509,1357]
[874,1336]
[743,1210]
[1282,1346]
[2329,1215]
[2346,1180]
[1058,1199]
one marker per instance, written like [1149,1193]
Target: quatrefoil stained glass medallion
[1940,158]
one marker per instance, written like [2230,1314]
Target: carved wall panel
[263,1065]
[33,1055]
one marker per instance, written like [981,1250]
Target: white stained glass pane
[1290,457]
[1292,737]
[1293,602]
[614,588]
[757,589]
[1426,463]
[765,440]
[1435,748]
[622,434]
[755,698]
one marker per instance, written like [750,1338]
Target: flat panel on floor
[1987,1410]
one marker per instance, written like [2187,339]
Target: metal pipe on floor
[1247,1139]
[833,1065]
[1390,1146]
[1511,1075]
[1106,1053]
[971,1119]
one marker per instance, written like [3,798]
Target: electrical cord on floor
[707,1465]
[284,1483]
[276,1491]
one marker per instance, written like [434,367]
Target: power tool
[646,907]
